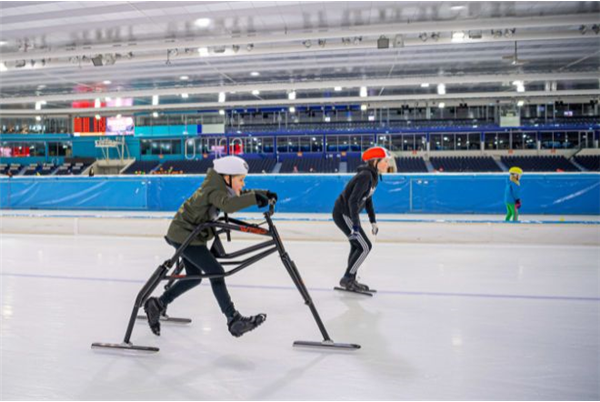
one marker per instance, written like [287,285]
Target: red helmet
[376,153]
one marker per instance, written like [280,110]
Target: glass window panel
[490,140]
[282,144]
[436,142]
[462,141]
[547,140]
[474,142]
[503,140]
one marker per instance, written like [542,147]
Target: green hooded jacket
[204,205]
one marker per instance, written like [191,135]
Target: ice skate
[238,324]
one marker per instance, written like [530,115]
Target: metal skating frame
[226,225]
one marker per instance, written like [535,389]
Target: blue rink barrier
[556,194]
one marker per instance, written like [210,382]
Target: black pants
[198,259]
[359,248]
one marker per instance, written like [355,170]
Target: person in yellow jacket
[512,194]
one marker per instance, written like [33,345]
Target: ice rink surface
[449,322]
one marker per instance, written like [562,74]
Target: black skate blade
[367,293]
[124,346]
[174,320]
[327,345]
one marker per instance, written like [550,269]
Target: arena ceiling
[244,54]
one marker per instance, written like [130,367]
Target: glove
[355,233]
[271,196]
[261,199]
[518,204]
[374,228]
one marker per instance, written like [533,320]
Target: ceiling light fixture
[441,89]
[155,99]
[202,22]
[256,92]
[292,95]
[458,36]
[185,96]
[255,73]
[363,92]
[221,97]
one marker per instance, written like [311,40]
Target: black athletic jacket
[357,195]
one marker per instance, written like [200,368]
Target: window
[529,141]
[462,141]
[474,141]
[316,144]
[355,143]
[547,140]
[59,149]
[586,139]
[516,140]
[571,140]
[394,140]
[435,142]
[305,143]
[161,147]
[387,141]
[490,140]
[448,142]
[343,143]
[331,143]
[282,144]
[267,144]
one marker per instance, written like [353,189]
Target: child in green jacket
[220,191]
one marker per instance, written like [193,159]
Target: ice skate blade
[174,320]
[359,292]
[124,346]
[327,345]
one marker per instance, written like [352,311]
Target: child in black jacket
[356,196]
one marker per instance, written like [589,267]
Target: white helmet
[231,165]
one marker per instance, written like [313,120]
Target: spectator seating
[14,169]
[540,163]
[187,166]
[411,164]
[31,170]
[310,165]
[464,164]
[590,162]
[261,165]
[141,167]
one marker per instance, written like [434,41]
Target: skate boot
[154,308]
[349,283]
[238,324]
[364,288]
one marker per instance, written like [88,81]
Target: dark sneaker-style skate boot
[154,308]
[238,324]
[364,288]
[349,283]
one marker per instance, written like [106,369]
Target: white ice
[448,322]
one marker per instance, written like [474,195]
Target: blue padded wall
[577,194]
